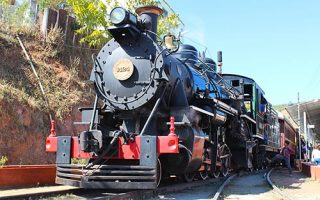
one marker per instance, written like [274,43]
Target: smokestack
[220,61]
[149,17]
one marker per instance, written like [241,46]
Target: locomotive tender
[160,112]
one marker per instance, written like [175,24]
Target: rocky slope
[24,121]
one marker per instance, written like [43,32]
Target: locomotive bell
[169,42]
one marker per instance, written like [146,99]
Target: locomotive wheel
[159,172]
[204,175]
[188,177]
[264,165]
[225,160]
[217,170]
[218,165]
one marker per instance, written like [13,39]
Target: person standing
[315,157]
[284,155]
[310,150]
[303,149]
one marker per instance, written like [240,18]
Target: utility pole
[299,145]
[305,133]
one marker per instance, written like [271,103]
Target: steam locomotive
[161,111]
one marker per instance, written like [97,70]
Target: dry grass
[12,94]
[54,43]
[63,81]
[26,31]
[64,88]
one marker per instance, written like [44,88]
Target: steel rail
[275,188]
[218,193]
[227,181]
[119,194]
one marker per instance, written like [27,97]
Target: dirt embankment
[24,121]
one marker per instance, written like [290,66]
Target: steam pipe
[94,112]
[154,109]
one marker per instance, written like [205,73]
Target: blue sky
[275,42]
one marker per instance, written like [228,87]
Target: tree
[91,15]
[49,3]
[14,15]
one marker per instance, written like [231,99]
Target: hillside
[24,117]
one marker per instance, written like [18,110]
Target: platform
[298,186]
[27,175]
[311,170]
[34,191]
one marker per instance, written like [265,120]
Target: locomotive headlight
[118,15]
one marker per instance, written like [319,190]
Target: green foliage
[49,3]
[3,160]
[92,18]
[168,24]
[12,15]
[5,2]
[132,5]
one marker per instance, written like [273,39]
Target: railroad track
[277,189]
[169,186]
[265,184]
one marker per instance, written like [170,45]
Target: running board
[248,118]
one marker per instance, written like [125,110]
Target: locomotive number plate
[123,69]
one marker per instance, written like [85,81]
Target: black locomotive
[161,111]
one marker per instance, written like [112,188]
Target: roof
[245,78]
[312,109]
[285,115]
